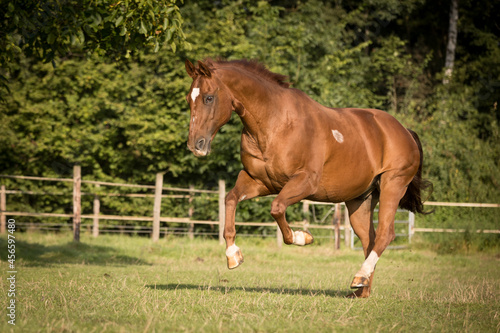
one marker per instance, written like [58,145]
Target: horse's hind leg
[361,218]
[392,188]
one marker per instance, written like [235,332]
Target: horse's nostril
[200,144]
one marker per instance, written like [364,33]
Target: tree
[126,120]
[49,29]
[452,42]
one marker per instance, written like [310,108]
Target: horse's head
[211,107]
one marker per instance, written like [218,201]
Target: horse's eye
[209,99]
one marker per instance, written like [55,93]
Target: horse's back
[375,128]
[361,145]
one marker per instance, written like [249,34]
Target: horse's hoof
[360,282]
[360,293]
[235,259]
[302,238]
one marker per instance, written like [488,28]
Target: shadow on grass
[228,289]
[35,254]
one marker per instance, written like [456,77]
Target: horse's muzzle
[201,147]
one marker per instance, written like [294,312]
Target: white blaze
[195,93]
[338,136]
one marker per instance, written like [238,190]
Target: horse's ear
[204,69]
[190,69]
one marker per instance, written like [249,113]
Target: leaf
[123,31]
[142,29]
[81,36]
[169,35]
[97,20]
[118,21]
[51,38]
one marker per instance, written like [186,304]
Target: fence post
[190,212]
[77,202]
[3,208]
[305,213]
[336,224]
[222,209]
[97,208]
[155,236]
[411,226]
[347,228]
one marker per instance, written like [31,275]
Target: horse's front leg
[246,188]
[299,187]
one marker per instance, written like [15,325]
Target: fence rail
[462,204]
[156,217]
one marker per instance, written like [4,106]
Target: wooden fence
[156,218]
[77,215]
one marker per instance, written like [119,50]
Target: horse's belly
[344,185]
[336,184]
[338,193]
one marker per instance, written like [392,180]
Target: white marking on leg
[232,250]
[243,197]
[368,266]
[299,238]
[195,93]
[338,136]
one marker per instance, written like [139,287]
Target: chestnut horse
[298,149]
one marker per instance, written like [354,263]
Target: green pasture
[128,284]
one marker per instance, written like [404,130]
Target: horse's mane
[252,66]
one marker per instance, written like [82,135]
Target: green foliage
[124,121]
[48,29]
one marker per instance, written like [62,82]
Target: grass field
[128,284]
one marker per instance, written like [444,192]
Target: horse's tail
[412,200]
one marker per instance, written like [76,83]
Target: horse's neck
[258,99]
